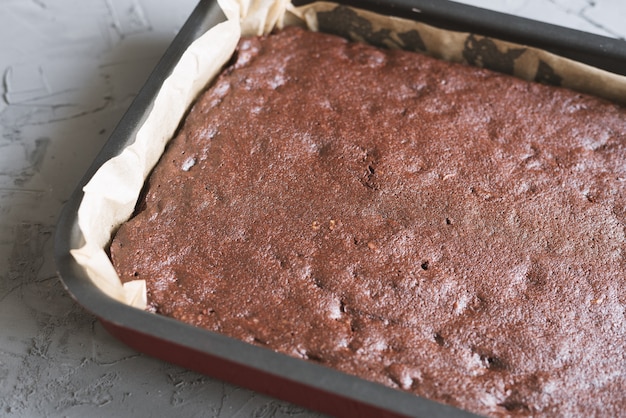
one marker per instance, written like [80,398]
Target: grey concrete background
[69,69]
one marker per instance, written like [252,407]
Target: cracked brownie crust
[434,227]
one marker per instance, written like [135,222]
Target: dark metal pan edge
[595,50]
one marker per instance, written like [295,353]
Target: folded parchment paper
[112,193]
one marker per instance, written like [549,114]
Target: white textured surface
[69,70]
[602,17]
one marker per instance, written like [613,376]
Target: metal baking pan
[305,383]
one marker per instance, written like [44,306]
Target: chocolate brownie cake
[438,228]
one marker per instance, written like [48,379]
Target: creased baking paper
[110,196]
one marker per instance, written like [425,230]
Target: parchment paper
[110,196]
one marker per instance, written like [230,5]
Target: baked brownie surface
[437,228]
